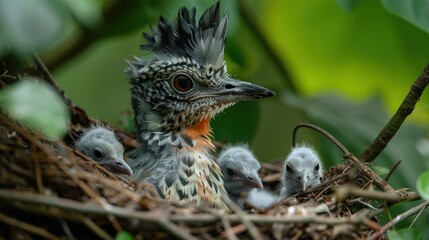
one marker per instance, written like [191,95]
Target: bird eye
[317,167]
[98,153]
[288,168]
[230,172]
[182,83]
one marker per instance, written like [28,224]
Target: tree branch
[249,18]
[398,219]
[405,109]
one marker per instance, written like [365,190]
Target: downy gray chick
[302,170]
[240,172]
[101,144]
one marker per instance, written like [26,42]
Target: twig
[249,18]
[391,197]
[11,197]
[228,231]
[175,230]
[392,170]
[405,109]
[49,78]
[95,228]
[67,229]
[37,171]
[398,219]
[320,130]
[415,219]
[27,227]
[253,231]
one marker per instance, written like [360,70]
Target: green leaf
[413,11]
[237,123]
[347,5]
[423,185]
[31,24]
[405,234]
[124,235]
[38,106]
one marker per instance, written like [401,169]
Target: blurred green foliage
[405,234]
[38,106]
[344,65]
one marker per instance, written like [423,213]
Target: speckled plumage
[174,95]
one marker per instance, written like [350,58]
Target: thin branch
[392,170]
[47,76]
[253,231]
[398,219]
[27,227]
[406,108]
[11,197]
[95,228]
[320,130]
[228,231]
[392,197]
[249,18]
[175,230]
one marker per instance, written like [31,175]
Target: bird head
[186,80]
[302,169]
[102,145]
[240,170]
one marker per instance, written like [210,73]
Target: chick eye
[182,83]
[317,167]
[288,168]
[230,172]
[98,153]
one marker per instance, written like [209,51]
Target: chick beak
[253,180]
[117,166]
[304,185]
[232,90]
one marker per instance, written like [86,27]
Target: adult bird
[174,95]
[101,144]
[302,170]
[240,172]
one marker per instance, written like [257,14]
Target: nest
[51,191]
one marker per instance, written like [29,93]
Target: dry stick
[11,197]
[398,219]
[72,216]
[343,191]
[175,230]
[27,227]
[61,165]
[253,231]
[405,109]
[95,228]
[228,231]
[37,171]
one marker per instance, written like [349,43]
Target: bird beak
[234,90]
[117,166]
[304,186]
[253,180]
